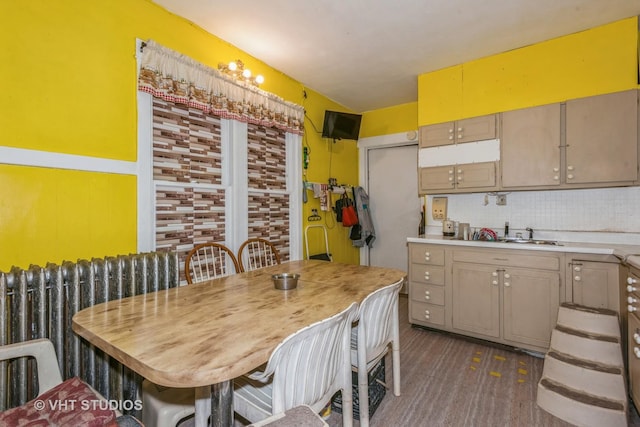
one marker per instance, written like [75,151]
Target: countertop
[628,254]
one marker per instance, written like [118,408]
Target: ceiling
[367,54]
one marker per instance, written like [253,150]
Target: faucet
[530,230]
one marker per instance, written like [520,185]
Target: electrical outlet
[501,199]
[439,208]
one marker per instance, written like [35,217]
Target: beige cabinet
[594,283]
[427,294]
[458,178]
[602,139]
[510,297]
[460,131]
[598,147]
[530,147]
[632,282]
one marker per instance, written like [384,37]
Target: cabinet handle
[631,281]
[494,274]
[577,268]
[460,129]
[507,284]
[556,177]
[636,338]
[631,300]
[570,176]
[636,351]
[556,169]
[495,282]
[569,168]
[426,275]
[631,288]
[507,276]
[427,295]
[577,278]
[427,314]
[631,308]
[450,137]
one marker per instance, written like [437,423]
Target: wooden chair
[376,329]
[209,261]
[257,253]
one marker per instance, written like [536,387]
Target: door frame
[375,142]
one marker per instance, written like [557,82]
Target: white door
[395,204]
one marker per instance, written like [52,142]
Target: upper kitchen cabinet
[596,147]
[460,131]
[530,147]
[602,140]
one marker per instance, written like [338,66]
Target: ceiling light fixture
[235,69]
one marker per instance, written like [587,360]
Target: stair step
[580,408]
[599,321]
[601,349]
[597,379]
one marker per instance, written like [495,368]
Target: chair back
[377,323]
[311,365]
[256,253]
[209,261]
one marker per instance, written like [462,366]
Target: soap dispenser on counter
[448,228]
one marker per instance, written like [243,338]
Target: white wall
[610,215]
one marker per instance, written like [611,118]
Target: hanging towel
[367,233]
[325,198]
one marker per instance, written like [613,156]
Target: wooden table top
[214,331]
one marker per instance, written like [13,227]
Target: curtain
[174,77]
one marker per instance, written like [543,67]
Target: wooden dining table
[206,334]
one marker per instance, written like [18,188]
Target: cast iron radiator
[40,303]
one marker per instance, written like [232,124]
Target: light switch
[439,208]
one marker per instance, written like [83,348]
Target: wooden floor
[450,381]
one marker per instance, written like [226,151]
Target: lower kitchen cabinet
[517,305]
[594,282]
[427,285]
[506,296]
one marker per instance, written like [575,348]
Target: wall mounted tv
[339,125]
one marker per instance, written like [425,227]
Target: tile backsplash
[606,215]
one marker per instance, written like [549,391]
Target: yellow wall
[600,60]
[69,74]
[387,121]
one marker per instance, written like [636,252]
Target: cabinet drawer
[427,254]
[426,273]
[427,293]
[427,313]
[516,258]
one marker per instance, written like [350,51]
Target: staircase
[583,381]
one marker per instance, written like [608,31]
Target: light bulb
[246,73]
[259,79]
[233,66]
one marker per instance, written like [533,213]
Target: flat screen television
[339,125]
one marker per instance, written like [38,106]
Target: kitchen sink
[531,241]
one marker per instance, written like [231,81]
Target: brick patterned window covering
[268,198]
[174,77]
[187,169]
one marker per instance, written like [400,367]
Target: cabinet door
[595,284]
[436,135]
[530,147]
[602,139]
[633,353]
[531,300]
[476,299]
[476,175]
[475,129]
[436,178]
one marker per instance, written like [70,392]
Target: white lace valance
[174,77]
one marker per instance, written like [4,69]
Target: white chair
[377,327]
[208,261]
[53,391]
[257,253]
[307,368]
